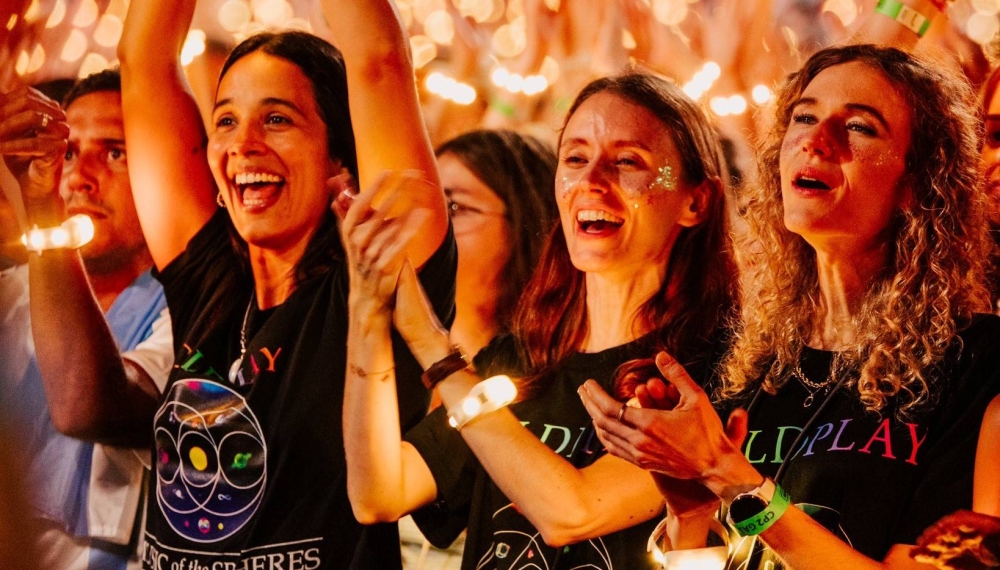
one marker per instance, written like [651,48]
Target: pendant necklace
[835,386]
[814,387]
[234,370]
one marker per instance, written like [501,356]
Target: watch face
[745,507]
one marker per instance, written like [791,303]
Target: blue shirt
[59,468]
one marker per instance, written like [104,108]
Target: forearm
[804,544]
[377,484]
[11,250]
[383,95]
[154,34]
[800,541]
[164,135]
[86,384]
[882,29]
[986,482]
[566,504]
[385,108]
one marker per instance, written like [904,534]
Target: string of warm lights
[737,104]
[723,105]
[88,30]
[448,88]
[702,80]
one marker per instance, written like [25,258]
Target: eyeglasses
[459,211]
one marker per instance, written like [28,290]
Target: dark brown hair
[520,170]
[323,65]
[697,294]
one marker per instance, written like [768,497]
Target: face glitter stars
[565,184]
[665,179]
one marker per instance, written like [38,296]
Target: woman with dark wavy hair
[639,262]
[248,462]
[863,359]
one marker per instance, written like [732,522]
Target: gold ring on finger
[621,412]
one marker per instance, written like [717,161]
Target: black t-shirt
[498,535]
[251,474]
[870,478]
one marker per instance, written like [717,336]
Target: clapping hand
[377,227]
[645,381]
[961,541]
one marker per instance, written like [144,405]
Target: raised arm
[91,391]
[386,478]
[898,32]
[385,110]
[165,138]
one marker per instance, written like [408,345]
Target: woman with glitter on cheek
[639,262]
[620,203]
[867,369]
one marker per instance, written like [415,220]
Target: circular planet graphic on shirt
[210,460]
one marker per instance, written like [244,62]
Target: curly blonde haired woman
[866,369]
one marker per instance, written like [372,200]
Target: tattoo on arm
[382,376]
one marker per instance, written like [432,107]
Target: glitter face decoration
[565,185]
[664,179]
[835,147]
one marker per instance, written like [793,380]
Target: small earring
[218,200]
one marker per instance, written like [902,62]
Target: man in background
[101,301]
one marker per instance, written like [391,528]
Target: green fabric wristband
[764,519]
[905,15]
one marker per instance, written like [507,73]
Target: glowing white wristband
[488,396]
[708,558]
[71,234]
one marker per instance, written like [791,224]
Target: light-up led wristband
[488,396]
[708,558]
[905,15]
[71,234]
[764,519]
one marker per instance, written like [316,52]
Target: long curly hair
[934,279]
[698,293]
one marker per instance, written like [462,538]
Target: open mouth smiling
[256,189]
[597,221]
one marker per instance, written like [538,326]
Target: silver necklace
[234,370]
[814,387]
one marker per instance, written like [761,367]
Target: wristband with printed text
[771,510]
[905,15]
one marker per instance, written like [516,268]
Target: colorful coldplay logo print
[211,460]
